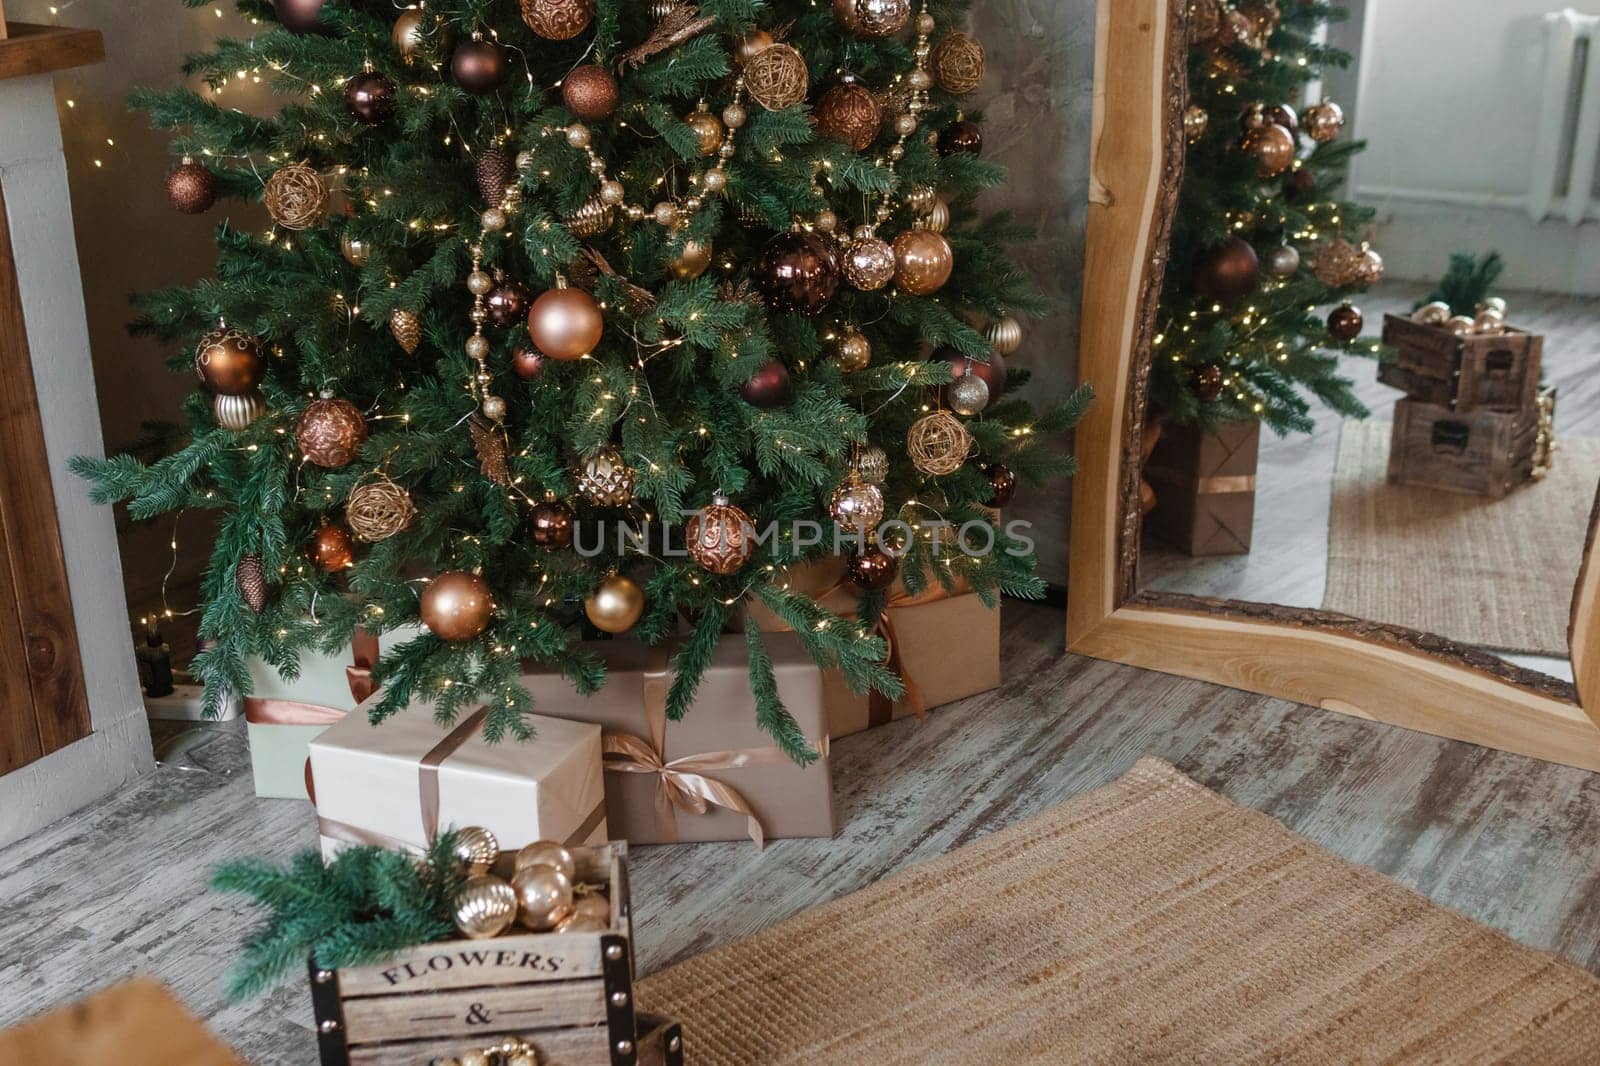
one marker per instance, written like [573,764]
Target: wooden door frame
[1382,673]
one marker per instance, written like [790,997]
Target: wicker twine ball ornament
[938,443]
[332,548]
[958,63]
[590,92]
[378,510]
[872,465]
[776,77]
[1004,335]
[331,431]
[297,197]
[484,907]
[1323,122]
[1337,264]
[250,577]
[923,261]
[606,480]
[457,606]
[721,538]
[857,505]
[230,362]
[407,330]
[237,413]
[616,604]
[867,261]
[848,112]
[558,20]
[191,188]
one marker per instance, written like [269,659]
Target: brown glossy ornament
[484,907]
[923,261]
[230,362]
[590,92]
[1002,484]
[332,548]
[411,30]
[878,18]
[721,538]
[370,97]
[1283,115]
[848,112]
[457,606]
[566,323]
[769,387]
[868,262]
[1345,322]
[708,130]
[1206,382]
[331,432]
[961,137]
[751,45]
[796,272]
[527,363]
[993,373]
[958,63]
[616,605]
[480,67]
[407,330]
[558,20]
[551,524]
[299,16]
[1273,147]
[776,77]
[872,569]
[507,303]
[1228,272]
[250,577]
[693,260]
[191,188]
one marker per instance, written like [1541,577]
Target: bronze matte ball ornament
[566,323]
[331,432]
[191,188]
[370,97]
[299,16]
[457,606]
[480,67]
[1228,272]
[230,362]
[796,272]
[590,92]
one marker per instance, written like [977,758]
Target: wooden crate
[1494,371]
[1205,488]
[1484,452]
[570,994]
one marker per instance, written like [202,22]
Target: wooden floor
[1515,843]
[1288,560]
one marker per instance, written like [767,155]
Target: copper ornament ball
[753,44]
[796,272]
[590,92]
[1345,322]
[565,323]
[961,137]
[849,112]
[1273,146]
[878,18]
[857,505]
[551,524]
[370,97]
[872,569]
[923,261]
[1324,121]
[457,606]
[331,432]
[616,605]
[332,548]
[480,67]
[868,263]
[230,362]
[558,20]
[527,363]
[852,350]
[1283,115]
[299,16]
[507,303]
[1229,272]
[721,538]
[1002,485]
[769,387]
[191,188]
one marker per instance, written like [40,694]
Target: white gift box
[283,717]
[400,783]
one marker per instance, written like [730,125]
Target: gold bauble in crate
[721,538]
[606,480]
[776,77]
[958,63]
[484,907]
[296,197]
[1432,314]
[548,853]
[616,604]
[475,848]
[938,443]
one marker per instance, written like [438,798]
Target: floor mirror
[1359,585]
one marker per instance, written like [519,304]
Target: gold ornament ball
[558,20]
[938,444]
[547,853]
[848,112]
[606,480]
[544,896]
[1324,121]
[616,604]
[857,505]
[879,18]
[708,131]
[475,848]
[593,905]
[1489,321]
[1273,146]
[1004,335]
[868,262]
[776,77]
[1195,121]
[692,261]
[923,261]
[721,538]
[230,362]
[484,907]
[1496,302]
[1283,261]
[958,63]
[1460,325]
[583,923]
[852,351]
[379,510]
[566,323]
[594,217]
[296,197]
[938,219]
[751,45]
[1369,267]
[1433,314]
[409,33]
[457,606]
[331,432]
[237,413]
[356,251]
[921,199]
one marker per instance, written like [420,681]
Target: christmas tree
[1262,238]
[704,272]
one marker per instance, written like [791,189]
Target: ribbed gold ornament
[236,413]
[1004,334]
[590,220]
[485,906]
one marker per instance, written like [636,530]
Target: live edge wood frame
[1378,672]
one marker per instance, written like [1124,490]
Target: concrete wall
[33,174]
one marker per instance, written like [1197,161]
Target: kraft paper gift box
[283,717]
[714,775]
[400,783]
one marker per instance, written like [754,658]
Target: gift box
[396,785]
[283,717]
[944,645]
[714,775]
[1205,487]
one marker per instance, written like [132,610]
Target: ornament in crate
[1482,451]
[1460,363]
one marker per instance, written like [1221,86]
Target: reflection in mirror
[1375,387]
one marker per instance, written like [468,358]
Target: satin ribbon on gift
[685,785]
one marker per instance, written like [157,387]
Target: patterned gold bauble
[591,904]
[484,907]
[407,330]
[606,479]
[1195,121]
[923,261]
[230,362]
[297,197]
[615,606]
[938,219]
[544,896]
[776,77]
[547,853]
[857,505]
[331,431]
[1272,145]
[590,220]
[236,413]
[1004,335]
[378,510]
[852,351]
[1323,122]
[958,63]
[475,848]
[558,20]
[692,261]
[721,538]
[871,465]
[867,262]
[849,113]
[938,444]
[880,18]
[457,606]
[708,130]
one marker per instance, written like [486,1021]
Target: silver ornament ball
[1283,261]
[968,394]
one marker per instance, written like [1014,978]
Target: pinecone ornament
[251,578]
[495,170]
[407,330]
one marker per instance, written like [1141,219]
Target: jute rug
[1489,573]
[1149,921]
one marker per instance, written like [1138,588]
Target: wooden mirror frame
[1335,662]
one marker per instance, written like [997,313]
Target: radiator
[1567,152]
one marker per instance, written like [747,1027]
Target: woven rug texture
[1495,574]
[1148,921]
